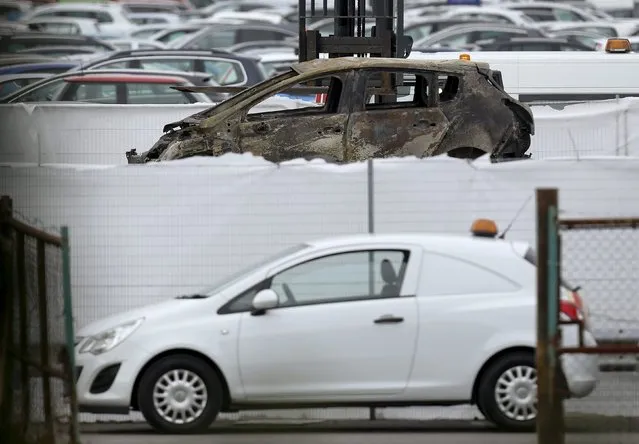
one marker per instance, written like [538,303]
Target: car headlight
[109,339]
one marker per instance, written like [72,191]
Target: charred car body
[454,107]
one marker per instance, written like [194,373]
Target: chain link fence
[37,390]
[587,319]
[601,258]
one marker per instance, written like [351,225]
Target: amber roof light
[618,45]
[484,228]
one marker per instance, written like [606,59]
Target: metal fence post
[370,194]
[7,312]
[550,418]
[69,332]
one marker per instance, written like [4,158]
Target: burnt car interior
[333,85]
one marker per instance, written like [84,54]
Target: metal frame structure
[350,24]
[550,420]
[15,348]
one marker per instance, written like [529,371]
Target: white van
[558,76]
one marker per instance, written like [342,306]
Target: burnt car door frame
[399,128]
[300,132]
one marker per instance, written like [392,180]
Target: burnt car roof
[319,66]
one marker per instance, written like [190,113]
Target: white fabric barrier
[93,133]
[142,233]
[101,134]
[609,127]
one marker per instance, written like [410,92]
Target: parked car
[465,35]
[264,46]
[13,10]
[64,25]
[489,14]
[224,68]
[111,17]
[425,26]
[147,18]
[10,59]
[14,42]
[113,87]
[155,6]
[146,31]
[11,83]
[61,51]
[32,68]
[223,36]
[471,116]
[541,11]
[133,44]
[174,32]
[529,44]
[277,62]
[356,321]
[586,38]
[604,28]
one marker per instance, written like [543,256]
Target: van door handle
[388,319]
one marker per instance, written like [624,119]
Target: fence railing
[577,258]
[37,385]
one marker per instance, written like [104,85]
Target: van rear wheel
[508,392]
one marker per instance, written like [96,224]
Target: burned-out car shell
[471,117]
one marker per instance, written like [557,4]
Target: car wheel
[180,394]
[508,392]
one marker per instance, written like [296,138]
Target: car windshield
[227,281]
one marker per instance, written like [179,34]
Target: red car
[111,87]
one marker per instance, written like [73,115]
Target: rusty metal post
[550,418]
[23,333]
[7,317]
[43,311]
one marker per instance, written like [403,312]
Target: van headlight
[109,339]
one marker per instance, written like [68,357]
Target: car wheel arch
[226,393]
[490,361]
[466,152]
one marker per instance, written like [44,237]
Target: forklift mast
[352,36]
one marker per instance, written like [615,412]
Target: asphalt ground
[609,415]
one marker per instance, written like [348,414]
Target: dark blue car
[50,67]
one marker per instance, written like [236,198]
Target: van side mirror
[264,300]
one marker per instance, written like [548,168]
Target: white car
[362,320]
[110,17]
[64,25]
[489,14]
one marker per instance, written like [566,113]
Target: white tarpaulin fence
[143,233]
[146,232]
[101,134]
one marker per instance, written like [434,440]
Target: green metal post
[550,419]
[69,333]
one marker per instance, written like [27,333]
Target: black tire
[482,410]
[208,383]
[487,397]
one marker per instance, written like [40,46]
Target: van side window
[448,275]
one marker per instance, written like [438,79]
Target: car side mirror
[264,300]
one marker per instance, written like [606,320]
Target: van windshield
[227,281]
